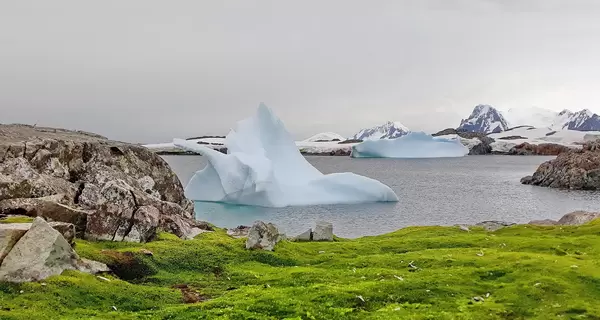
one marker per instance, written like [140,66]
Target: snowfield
[531,135]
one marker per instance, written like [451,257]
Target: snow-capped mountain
[325,136]
[389,130]
[583,120]
[484,119]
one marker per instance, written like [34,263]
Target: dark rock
[574,169]
[512,138]
[543,149]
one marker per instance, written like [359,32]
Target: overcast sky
[148,71]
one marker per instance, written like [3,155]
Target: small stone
[114,308]
[478,299]
[464,228]
[146,252]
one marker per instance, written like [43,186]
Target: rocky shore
[575,169]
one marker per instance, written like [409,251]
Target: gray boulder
[578,218]
[323,231]
[305,236]
[494,225]
[40,253]
[575,218]
[263,236]
[105,188]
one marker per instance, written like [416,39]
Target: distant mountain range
[487,119]
[388,130]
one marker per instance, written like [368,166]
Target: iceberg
[263,167]
[412,145]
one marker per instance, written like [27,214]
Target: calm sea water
[432,192]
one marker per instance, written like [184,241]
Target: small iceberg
[263,167]
[412,145]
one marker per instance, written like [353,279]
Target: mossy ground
[521,272]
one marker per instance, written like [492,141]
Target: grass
[17,219]
[520,272]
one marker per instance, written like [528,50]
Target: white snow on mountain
[531,135]
[484,119]
[325,136]
[534,116]
[583,120]
[389,130]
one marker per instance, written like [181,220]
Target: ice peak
[485,119]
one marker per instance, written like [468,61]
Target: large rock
[575,218]
[578,218]
[323,231]
[109,190]
[40,253]
[263,236]
[575,169]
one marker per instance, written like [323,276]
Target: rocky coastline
[575,169]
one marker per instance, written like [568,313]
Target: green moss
[16,219]
[520,272]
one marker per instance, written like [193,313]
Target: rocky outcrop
[39,253]
[576,218]
[575,169]
[109,190]
[483,147]
[542,149]
[263,236]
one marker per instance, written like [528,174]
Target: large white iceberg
[263,167]
[412,145]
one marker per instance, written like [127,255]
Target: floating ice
[413,145]
[263,167]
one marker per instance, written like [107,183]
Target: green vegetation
[16,219]
[521,272]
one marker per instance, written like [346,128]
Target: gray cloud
[150,70]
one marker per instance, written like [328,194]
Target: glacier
[263,167]
[412,145]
